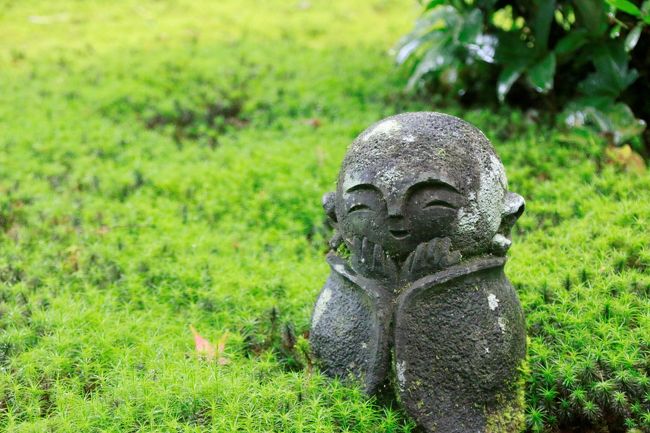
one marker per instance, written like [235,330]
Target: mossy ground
[161,165]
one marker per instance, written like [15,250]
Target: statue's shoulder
[343,273]
[471,269]
[466,320]
[349,332]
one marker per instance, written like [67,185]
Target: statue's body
[417,303]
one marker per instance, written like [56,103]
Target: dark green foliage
[584,58]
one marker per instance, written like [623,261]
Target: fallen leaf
[625,158]
[206,349]
[202,346]
[314,122]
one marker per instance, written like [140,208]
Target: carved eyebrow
[437,183]
[363,186]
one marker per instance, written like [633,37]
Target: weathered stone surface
[417,303]
[459,339]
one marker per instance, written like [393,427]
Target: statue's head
[414,177]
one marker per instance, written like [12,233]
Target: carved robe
[448,344]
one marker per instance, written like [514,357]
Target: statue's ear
[330,206]
[513,207]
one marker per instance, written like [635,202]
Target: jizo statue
[417,305]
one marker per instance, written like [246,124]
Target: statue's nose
[397,225]
[394,209]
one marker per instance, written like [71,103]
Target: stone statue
[417,305]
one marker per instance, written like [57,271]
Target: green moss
[343,251]
[508,415]
[116,234]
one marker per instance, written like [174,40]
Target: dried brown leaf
[625,158]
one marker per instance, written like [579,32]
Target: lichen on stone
[508,414]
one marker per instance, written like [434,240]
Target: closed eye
[441,203]
[359,206]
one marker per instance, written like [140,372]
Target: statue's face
[397,210]
[419,176]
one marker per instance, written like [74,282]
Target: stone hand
[429,257]
[370,260]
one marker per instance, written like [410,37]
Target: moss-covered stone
[508,414]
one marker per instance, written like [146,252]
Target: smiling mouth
[399,234]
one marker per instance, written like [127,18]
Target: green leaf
[612,61]
[618,121]
[506,79]
[626,6]
[615,31]
[429,28]
[514,56]
[472,27]
[433,3]
[437,19]
[645,7]
[571,42]
[645,10]
[612,74]
[541,75]
[615,120]
[408,47]
[633,37]
[623,123]
[541,23]
[591,14]
[434,60]
[512,50]
[597,84]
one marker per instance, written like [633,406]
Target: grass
[161,165]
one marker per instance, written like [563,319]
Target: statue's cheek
[430,223]
[359,223]
[467,221]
